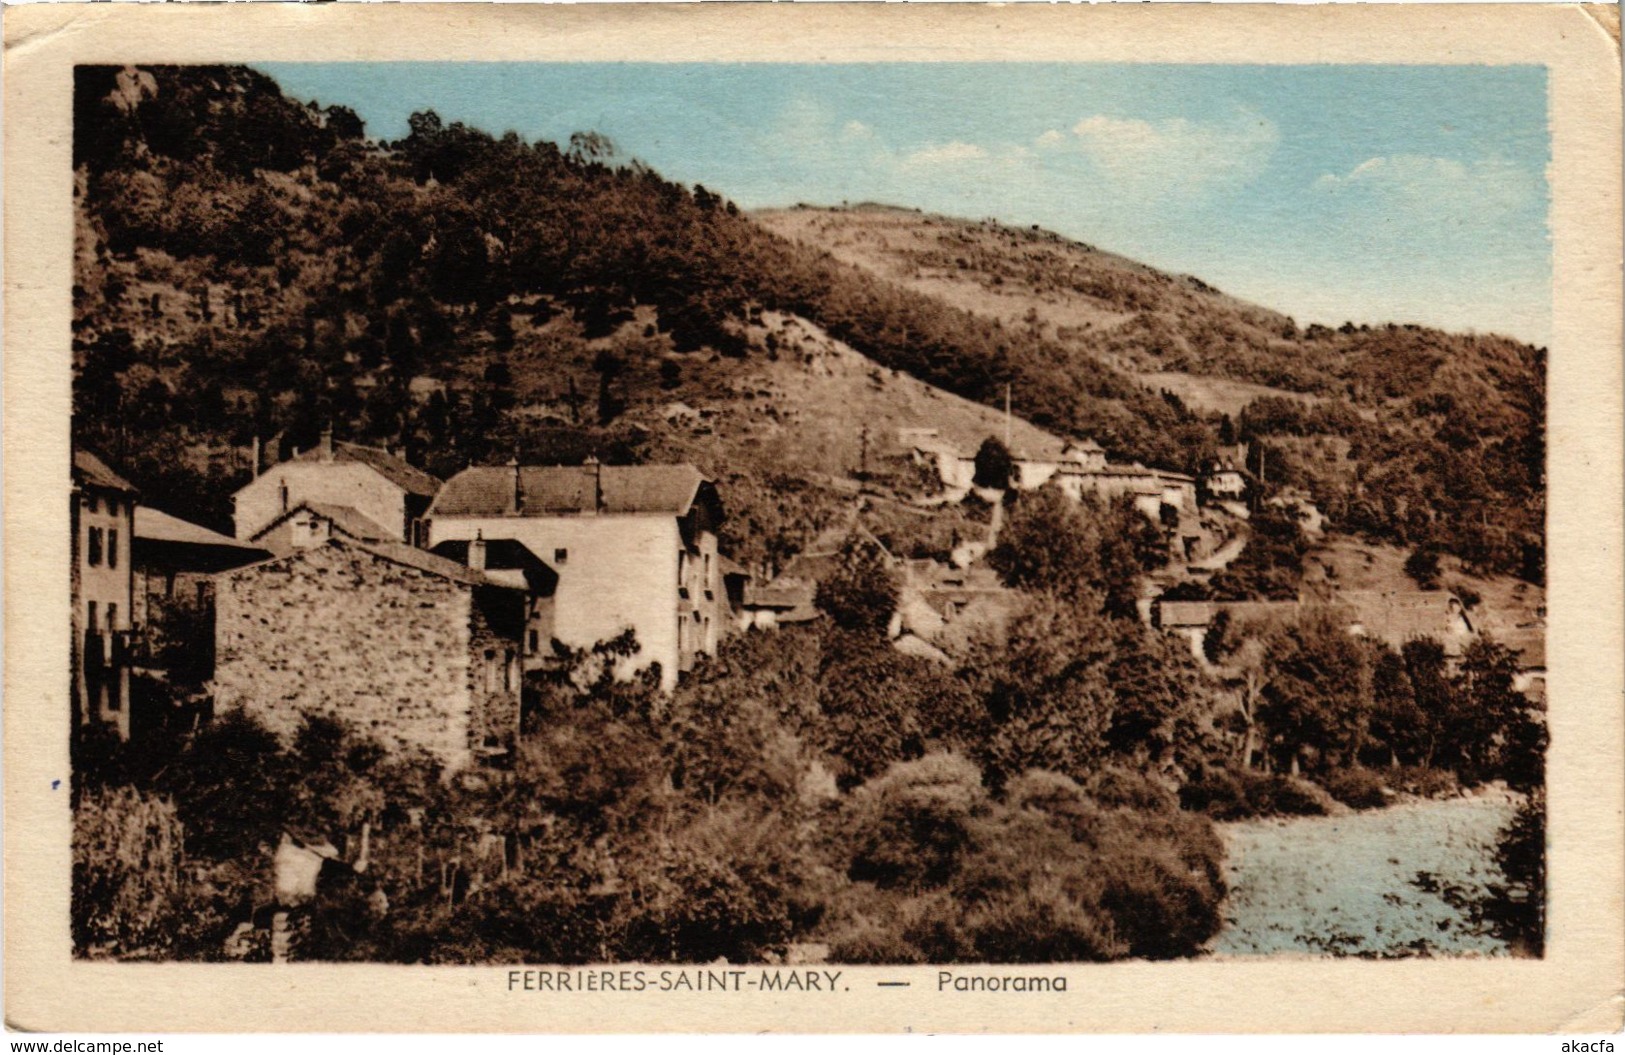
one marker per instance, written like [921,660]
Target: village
[358,587]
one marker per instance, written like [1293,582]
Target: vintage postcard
[819,519]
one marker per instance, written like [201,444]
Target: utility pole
[863,454]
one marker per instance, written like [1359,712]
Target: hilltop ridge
[251,265]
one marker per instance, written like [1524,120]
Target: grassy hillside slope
[251,265]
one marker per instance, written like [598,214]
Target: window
[112,618]
[90,617]
[682,569]
[535,642]
[94,503]
[490,670]
[112,547]
[94,549]
[560,555]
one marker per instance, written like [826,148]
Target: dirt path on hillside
[1346,886]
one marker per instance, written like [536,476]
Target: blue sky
[1371,193]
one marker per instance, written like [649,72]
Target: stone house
[411,648]
[379,485]
[101,525]
[634,546]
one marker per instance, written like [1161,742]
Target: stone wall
[338,630]
[495,669]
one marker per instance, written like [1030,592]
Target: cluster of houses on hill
[1077,467]
[357,585]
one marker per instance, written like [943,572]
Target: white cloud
[857,130]
[1050,138]
[1404,182]
[953,153]
[1176,154]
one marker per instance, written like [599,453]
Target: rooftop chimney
[596,471]
[327,444]
[518,488]
[476,552]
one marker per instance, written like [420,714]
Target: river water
[1348,885]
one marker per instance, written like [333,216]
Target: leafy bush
[1048,875]
[861,592]
[1423,567]
[910,827]
[1423,781]
[128,874]
[1232,795]
[1356,786]
[1517,908]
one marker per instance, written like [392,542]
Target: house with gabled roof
[309,523]
[101,525]
[416,650]
[378,484]
[634,547]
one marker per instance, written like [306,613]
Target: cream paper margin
[1576,988]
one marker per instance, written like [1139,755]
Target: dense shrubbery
[1236,794]
[710,823]
[946,872]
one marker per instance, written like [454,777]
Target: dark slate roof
[563,489]
[780,593]
[157,526]
[91,471]
[423,560]
[399,553]
[396,470]
[347,519]
[502,554]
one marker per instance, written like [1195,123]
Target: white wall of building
[337,483]
[615,572]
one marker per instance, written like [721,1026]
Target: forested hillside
[251,265]
[1043,787]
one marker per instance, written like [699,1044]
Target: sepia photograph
[743,522]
